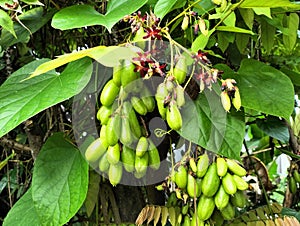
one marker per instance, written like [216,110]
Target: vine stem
[182,13]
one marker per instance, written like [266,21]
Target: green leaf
[33,2]
[93,190]
[7,23]
[248,17]
[267,35]
[292,24]
[23,212]
[274,127]
[267,90]
[32,19]
[263,11]
[162,7]
[242,41]
[290,212]
[230,20]
[269,3]
[22,100]
[201,41]
[77,16]
[59,182]
[213,128]
[294,76]
[108,56]
[234,29]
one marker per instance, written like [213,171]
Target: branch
[14,145]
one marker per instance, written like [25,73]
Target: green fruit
[95,150]
[103,163]
[134,123]
[292,185]
[202,165]
[126,135]
[102,134]
[217,218]
[161,91]
[196,221]
[296,175]
[141,163]
[113,154]
[174,118]
[240,183]
[186,221]
[161,108]
[193,165]
[113,129]
[138,105]
[221,166]
[170,85]
[128,74]
[115,173]
[149,103]
[238,199]
[205,207]
[211,181]
[235,168]
[180,100]
[221,198]
[117,74]
[193,187]
[142,146]
[185,209]
[154,159]
[104,113]
[229,184]
[228,212]
[128,158]
[181,177]
[109,93]
[180,70]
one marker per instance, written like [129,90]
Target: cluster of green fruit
[294,181]
[123,140]
[218,188]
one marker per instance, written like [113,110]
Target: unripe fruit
[217,218]
[113,129]
[296,175]
[292,185]
[211,181]
[217,2]
[235,168]
[180,70]
[126,134]
[229,184]
[205,207]
[221,198]
[238,199]
[128,158]
[181,177]
[236,100]
[128,74]
[104,113]
[117,74]
[161,108]
[142,146]
[154,159]
[225,101]
[161,91]
[141,163]
[186,221]
[184,209]
[103,163]
[221,166]
[173,117]
[228,212]
[240,183]
[193,165]
[193,187]
[115,173]
[202,165]
[113,154]
[185,22]
[180,100]
[138,105]
[149,103]
[95,150]
[109,93]
[196,221]
[134,123]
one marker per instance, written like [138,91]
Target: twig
[14,145]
